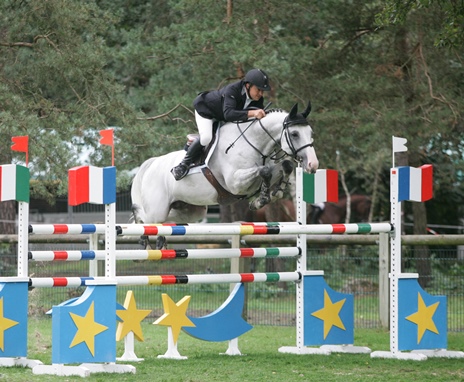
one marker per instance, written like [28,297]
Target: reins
[274,155]
[241,133]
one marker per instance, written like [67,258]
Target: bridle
[285,132]
[279,153]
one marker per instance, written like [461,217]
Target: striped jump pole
[167,254]
[226,278]
[253,229]
[214,229]
[66,229]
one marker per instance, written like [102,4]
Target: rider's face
[255,93]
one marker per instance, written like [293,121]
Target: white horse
[251,160]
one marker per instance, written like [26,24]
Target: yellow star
[5,323]
[87,329]
[330,314]
[131,318]
[423,317]
[175,315]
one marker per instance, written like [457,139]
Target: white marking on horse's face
[302,137]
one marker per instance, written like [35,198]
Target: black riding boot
[192,154]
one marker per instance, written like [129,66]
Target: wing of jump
[225,323]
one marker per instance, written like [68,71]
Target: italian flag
[320,187]
[14,183]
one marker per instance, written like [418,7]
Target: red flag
[20,143]
[106,137]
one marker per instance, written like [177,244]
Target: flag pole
[107,138]
[393,152]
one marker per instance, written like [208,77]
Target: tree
[54,87]
[450,14]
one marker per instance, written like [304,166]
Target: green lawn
[260,361]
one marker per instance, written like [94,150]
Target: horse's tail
[137,214]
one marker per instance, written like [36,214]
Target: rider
[226,104]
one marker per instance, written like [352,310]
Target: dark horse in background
[334,213]
[283,210]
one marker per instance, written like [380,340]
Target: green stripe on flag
[309,188]
[22,184]
[364,228]
[272,252]
[271,277]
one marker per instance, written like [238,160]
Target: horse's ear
[308,110]
[293,111]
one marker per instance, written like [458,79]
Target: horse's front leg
[279,188]
[265,192]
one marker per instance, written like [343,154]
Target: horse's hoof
[253,207]
[161,242]
[265,202]
[144,242]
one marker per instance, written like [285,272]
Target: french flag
[88,184]
[320,187]
[415,184]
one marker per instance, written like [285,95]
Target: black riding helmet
[258,78]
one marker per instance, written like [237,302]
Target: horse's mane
[270,111]
[295,119]
[276,110]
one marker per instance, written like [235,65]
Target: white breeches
[205,128]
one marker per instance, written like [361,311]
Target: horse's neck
[239,152]
[265,134]
[246,144]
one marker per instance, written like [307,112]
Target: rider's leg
[205,128]
[193,152]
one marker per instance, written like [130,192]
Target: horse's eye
[295,134]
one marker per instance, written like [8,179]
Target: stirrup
[180,171]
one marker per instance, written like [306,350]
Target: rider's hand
[259,113]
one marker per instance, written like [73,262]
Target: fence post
[384,303]
[93,246]
[237,265]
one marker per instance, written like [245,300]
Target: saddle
[224,196]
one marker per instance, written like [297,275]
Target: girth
[224,196]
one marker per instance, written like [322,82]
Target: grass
[261,360]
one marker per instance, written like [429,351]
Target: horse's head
[299,139]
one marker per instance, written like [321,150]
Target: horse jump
[106,286]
